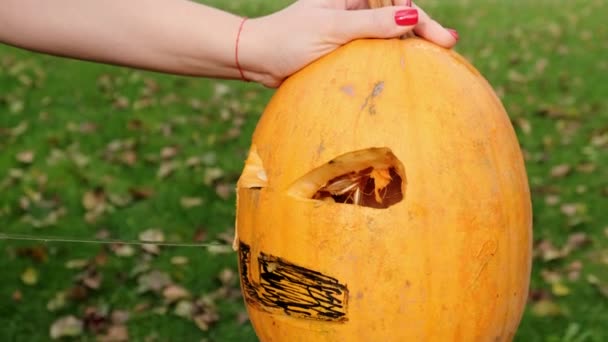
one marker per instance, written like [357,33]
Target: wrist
[253,56]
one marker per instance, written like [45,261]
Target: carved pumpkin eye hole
[372,178]
[375,188]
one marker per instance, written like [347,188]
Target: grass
[86,149]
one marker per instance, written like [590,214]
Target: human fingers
[385,22]
[430,29]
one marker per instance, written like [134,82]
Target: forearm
[174,36]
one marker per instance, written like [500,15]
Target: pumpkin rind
[451,261]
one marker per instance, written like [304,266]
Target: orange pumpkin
[385,199]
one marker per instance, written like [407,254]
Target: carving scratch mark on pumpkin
[486,252]
[293,290]
[369,100]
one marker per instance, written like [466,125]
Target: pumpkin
[385,198]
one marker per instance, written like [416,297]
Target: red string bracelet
[236,50]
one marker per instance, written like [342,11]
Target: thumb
[384,22]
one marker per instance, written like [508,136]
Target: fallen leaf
[38,253]
[550,277]
[57,302]
[168,152]
[546,308]
[179,260]
[91,278]
[201,234]
[574,270]
[547,251]
[173,293]
[166,169]
[68,326]
[30,276]
[119,317]
[123,251]
[184,309]
[559,289]
[94,199]
[76,264]
[19,129]
[119,200]
[224,190]
[212,174]
[17,296]
[25,157]
[193,161]
[78,293]
[601,287]
[151,235]
[586,167]
[116,333]
[219,249]
[552,199]
[227,276]
[154,281]
[560,171]
[575,241]
[141,193]
[242,317]
[96,318]
[191,202]
[205,320]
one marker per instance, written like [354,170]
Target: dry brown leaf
[184,308]
[227,277]
[575,242]
[204,320]
[94,200]
[179,260]
[242,317]
[25,157]
[172,293]
[116,333]
[154,281]
[76,264]
[166,169]
[151,235]
[547,251]
[119,317]
[128,157]
[17,296]
[168,152]
[560,171]
[224,190]
[68,326]
[190,202]
[141,193]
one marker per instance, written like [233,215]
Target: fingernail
[406,17]
[409,3]
[454,33]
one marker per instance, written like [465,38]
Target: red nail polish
[454,33]
[407,17]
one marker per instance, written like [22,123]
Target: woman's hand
[186,38]
[273,47]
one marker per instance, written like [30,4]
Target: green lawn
[90,150]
